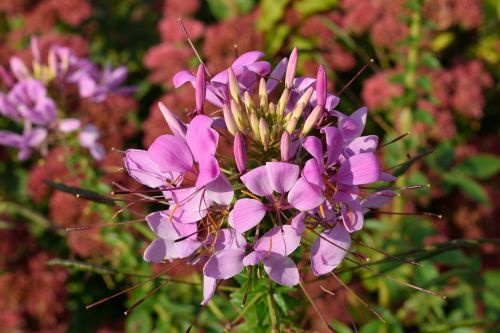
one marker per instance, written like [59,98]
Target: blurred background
[435,75]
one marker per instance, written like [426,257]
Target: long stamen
[355,76]
[393,140]
[408,261]
[358,298]
[87,227]
[192,47]
[323,319]
[439,216]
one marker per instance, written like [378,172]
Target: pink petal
[363,144]
[174,123]
[378,199]
[209,170]
[254,258]
[298,223]
[352,216]
[282,175]
[201,138]
[229,239]
[352,126]
[329,249]
[140,167]
[304,195]
[387,177]
[219,191]
[247,213]
[171,154]
[276,75]
[314,147]
[224,264]
[156,251]
[170,230]
[282,270]
[313,173]
[359,169]
[180,78]
[281,240]
[334,144]
[257,181]
[192,203]
[248,58]
[209,286]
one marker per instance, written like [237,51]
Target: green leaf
[480,166]
[471,188]
[271,12]
[423,116]
[310,7]
[81,193]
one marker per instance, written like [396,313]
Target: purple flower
[273,249]
[329,249]
[88,137]
[28,101]
[247,69]
[31,139]
[193,155]
[264,181]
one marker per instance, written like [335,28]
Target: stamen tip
[372,60]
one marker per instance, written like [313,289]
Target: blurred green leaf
[481,166]
[310,7]
[271,12]
[471,188]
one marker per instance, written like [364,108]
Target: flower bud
[311,120]
[200,89]
[264,133]
[248,101]
[175,124]
[254,125]
[302,103]
[285,146]
[291,124]
[290,69]
[321,87]
[234,87]
[263,99]
[240,153]
[237,115]
[280,107]
[229,119]
[272,109]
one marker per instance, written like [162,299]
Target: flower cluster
[37,96]
[293,171]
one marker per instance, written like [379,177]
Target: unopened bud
[321,87]
[280,109]
[290,68]
[240,153]
[229,119]
[311,120]
[272,109]
[263,99]
[254,125]
[291,125]
[234,88]
[248,101]
[200,89]
[302,102]
[237,115]
[264,133]
[285,146]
